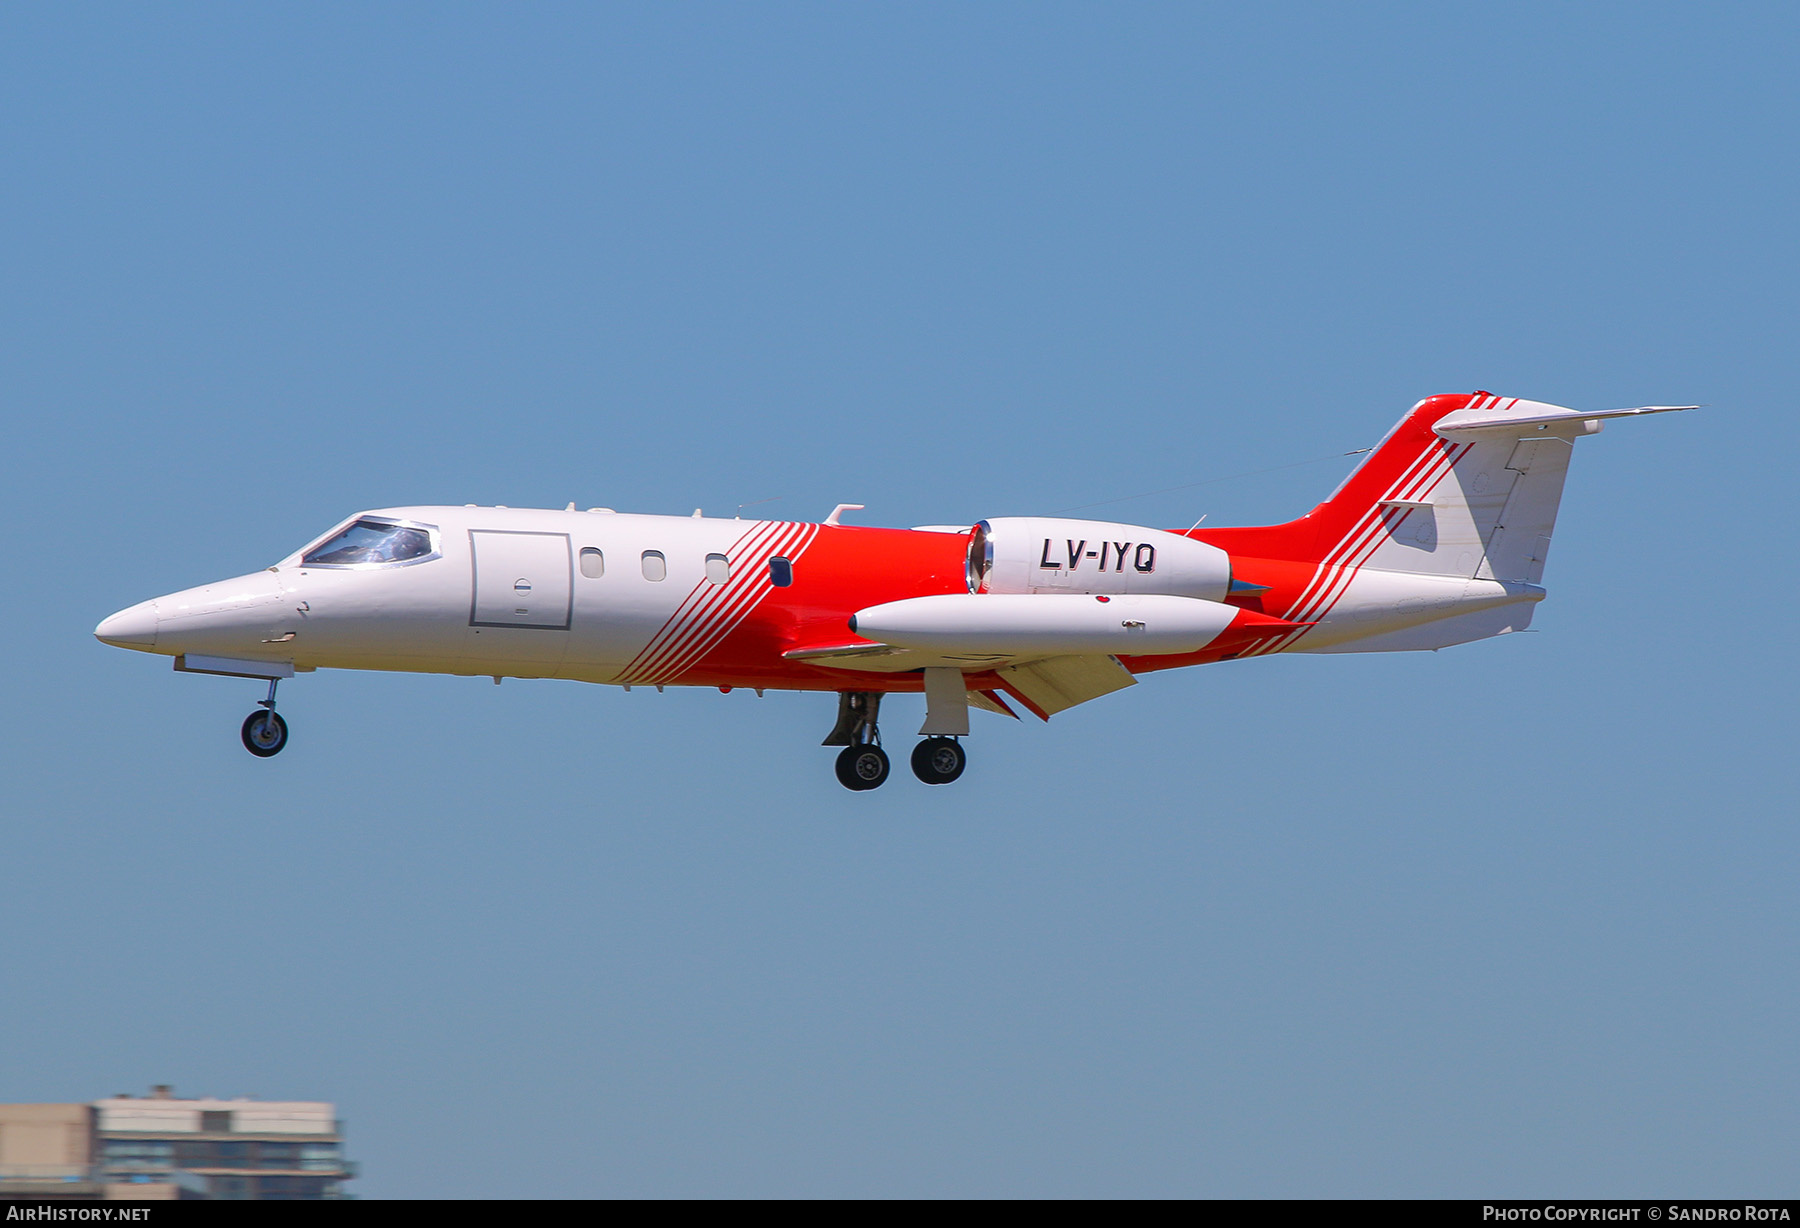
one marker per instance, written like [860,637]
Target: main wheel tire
[862,767]
[938,761]
[264,734]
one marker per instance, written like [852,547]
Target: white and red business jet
[1438,538]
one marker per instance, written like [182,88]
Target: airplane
[1437,538]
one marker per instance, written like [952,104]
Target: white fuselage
[506,591]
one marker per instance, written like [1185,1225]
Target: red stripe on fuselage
[845,568]
[1355,535]
[711,611]
[718,622]
[1365,540]
[644,663]
[747,582]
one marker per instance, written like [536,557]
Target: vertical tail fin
[1462,486]
[1477,503]
[1405,466]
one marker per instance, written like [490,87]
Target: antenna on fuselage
[753,503]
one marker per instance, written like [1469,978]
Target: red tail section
[1300,569]
[1407,461]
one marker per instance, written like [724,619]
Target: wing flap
[1056,684]
[990,701]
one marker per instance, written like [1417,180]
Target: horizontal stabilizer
[1536,416]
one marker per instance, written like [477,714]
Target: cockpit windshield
[371,541]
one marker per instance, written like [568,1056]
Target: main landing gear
[862,767]
[264,732]
[938,761]
[862,764]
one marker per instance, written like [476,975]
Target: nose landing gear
[264,732]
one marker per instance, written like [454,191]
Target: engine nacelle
[1040,554]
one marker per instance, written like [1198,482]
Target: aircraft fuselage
[1438,538]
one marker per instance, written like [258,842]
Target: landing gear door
[521,579]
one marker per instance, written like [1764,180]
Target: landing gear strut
[940,759]
[862,764]
[264,732]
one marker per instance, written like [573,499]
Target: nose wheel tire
[862,767]
[264,734]
[938,761]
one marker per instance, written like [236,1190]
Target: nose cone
[130,628]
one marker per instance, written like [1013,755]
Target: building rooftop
[164,1146]
[169,1115]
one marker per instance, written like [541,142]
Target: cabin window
[593,563]
[718,568]
[781,572]
[372,542]
[656,567]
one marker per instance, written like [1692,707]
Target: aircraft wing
[1056,684]
[1046,685]
[878,658]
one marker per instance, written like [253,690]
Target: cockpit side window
[372,542]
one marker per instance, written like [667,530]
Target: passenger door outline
[503,559]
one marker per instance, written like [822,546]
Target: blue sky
[1512,919]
